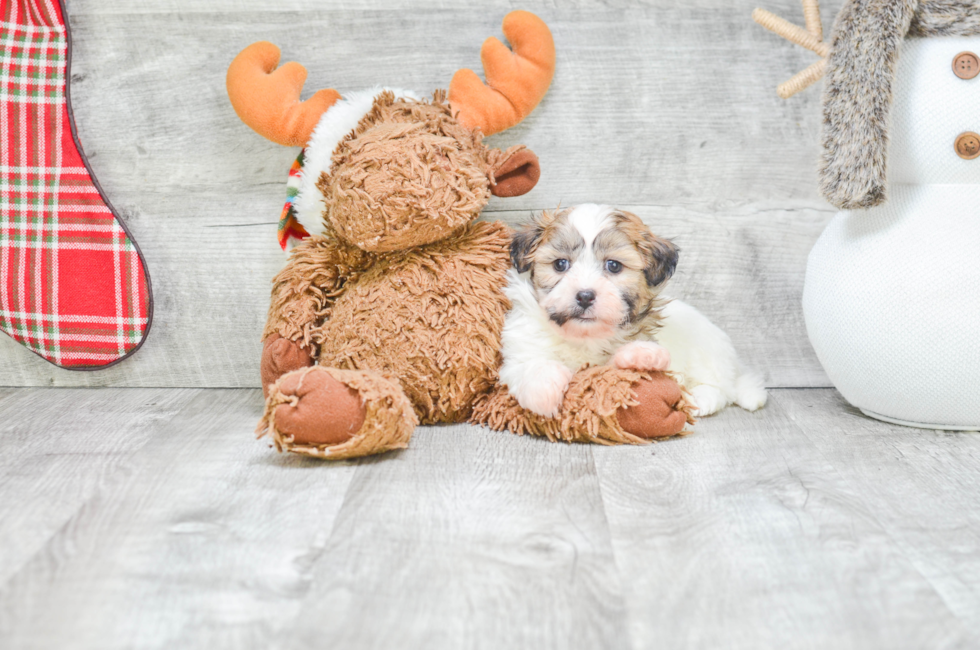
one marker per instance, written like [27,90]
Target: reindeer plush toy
[389,311]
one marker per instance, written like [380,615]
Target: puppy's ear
[659,255]
[524,244]
[661,259]
[529,236]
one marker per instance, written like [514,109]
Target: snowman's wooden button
[968,145]
[966,65]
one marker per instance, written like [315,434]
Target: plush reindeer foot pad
[319,409]
[333,413]
[662,409]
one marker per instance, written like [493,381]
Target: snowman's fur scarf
[865,46]
[946,18]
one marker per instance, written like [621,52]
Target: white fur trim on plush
[334,126]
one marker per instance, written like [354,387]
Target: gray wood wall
[664,108]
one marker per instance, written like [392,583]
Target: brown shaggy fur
[434,181]
[858,91]
[402,299]
[589,412]
[303,293]
[430,316]
[388,423]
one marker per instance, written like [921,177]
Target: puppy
[585,289]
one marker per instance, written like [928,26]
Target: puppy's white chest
[575,354]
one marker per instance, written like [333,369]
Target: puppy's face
[595,270]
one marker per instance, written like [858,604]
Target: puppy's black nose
[585,298]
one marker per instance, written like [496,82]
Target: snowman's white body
[892,294]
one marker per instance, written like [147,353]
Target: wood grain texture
[205,540]
[55,456]
[469,539]
[750,535]
[922,486]
[666,107]
[151,518]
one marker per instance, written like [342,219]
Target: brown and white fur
[585,289]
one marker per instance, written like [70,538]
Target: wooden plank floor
[151,518]
[142,517]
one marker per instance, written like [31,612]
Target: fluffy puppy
[585,289]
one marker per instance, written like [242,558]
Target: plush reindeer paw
[662,410]
[280,356]
[642,355]
[316,409]
[336,414]
[543,393]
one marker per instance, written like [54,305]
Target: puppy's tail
[750,392]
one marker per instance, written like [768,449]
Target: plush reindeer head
[386,170]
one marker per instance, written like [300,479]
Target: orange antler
[811,38]
[516,81]
[267,99]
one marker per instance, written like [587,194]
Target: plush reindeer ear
[661,259]
[524,244]
[514,174]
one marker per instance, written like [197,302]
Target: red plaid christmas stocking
[73,284]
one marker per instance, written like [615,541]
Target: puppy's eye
[613,266]
[560,265]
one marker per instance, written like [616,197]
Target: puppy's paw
[642,355]
[543,392]
[708,399]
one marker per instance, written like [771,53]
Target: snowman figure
[892,292]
